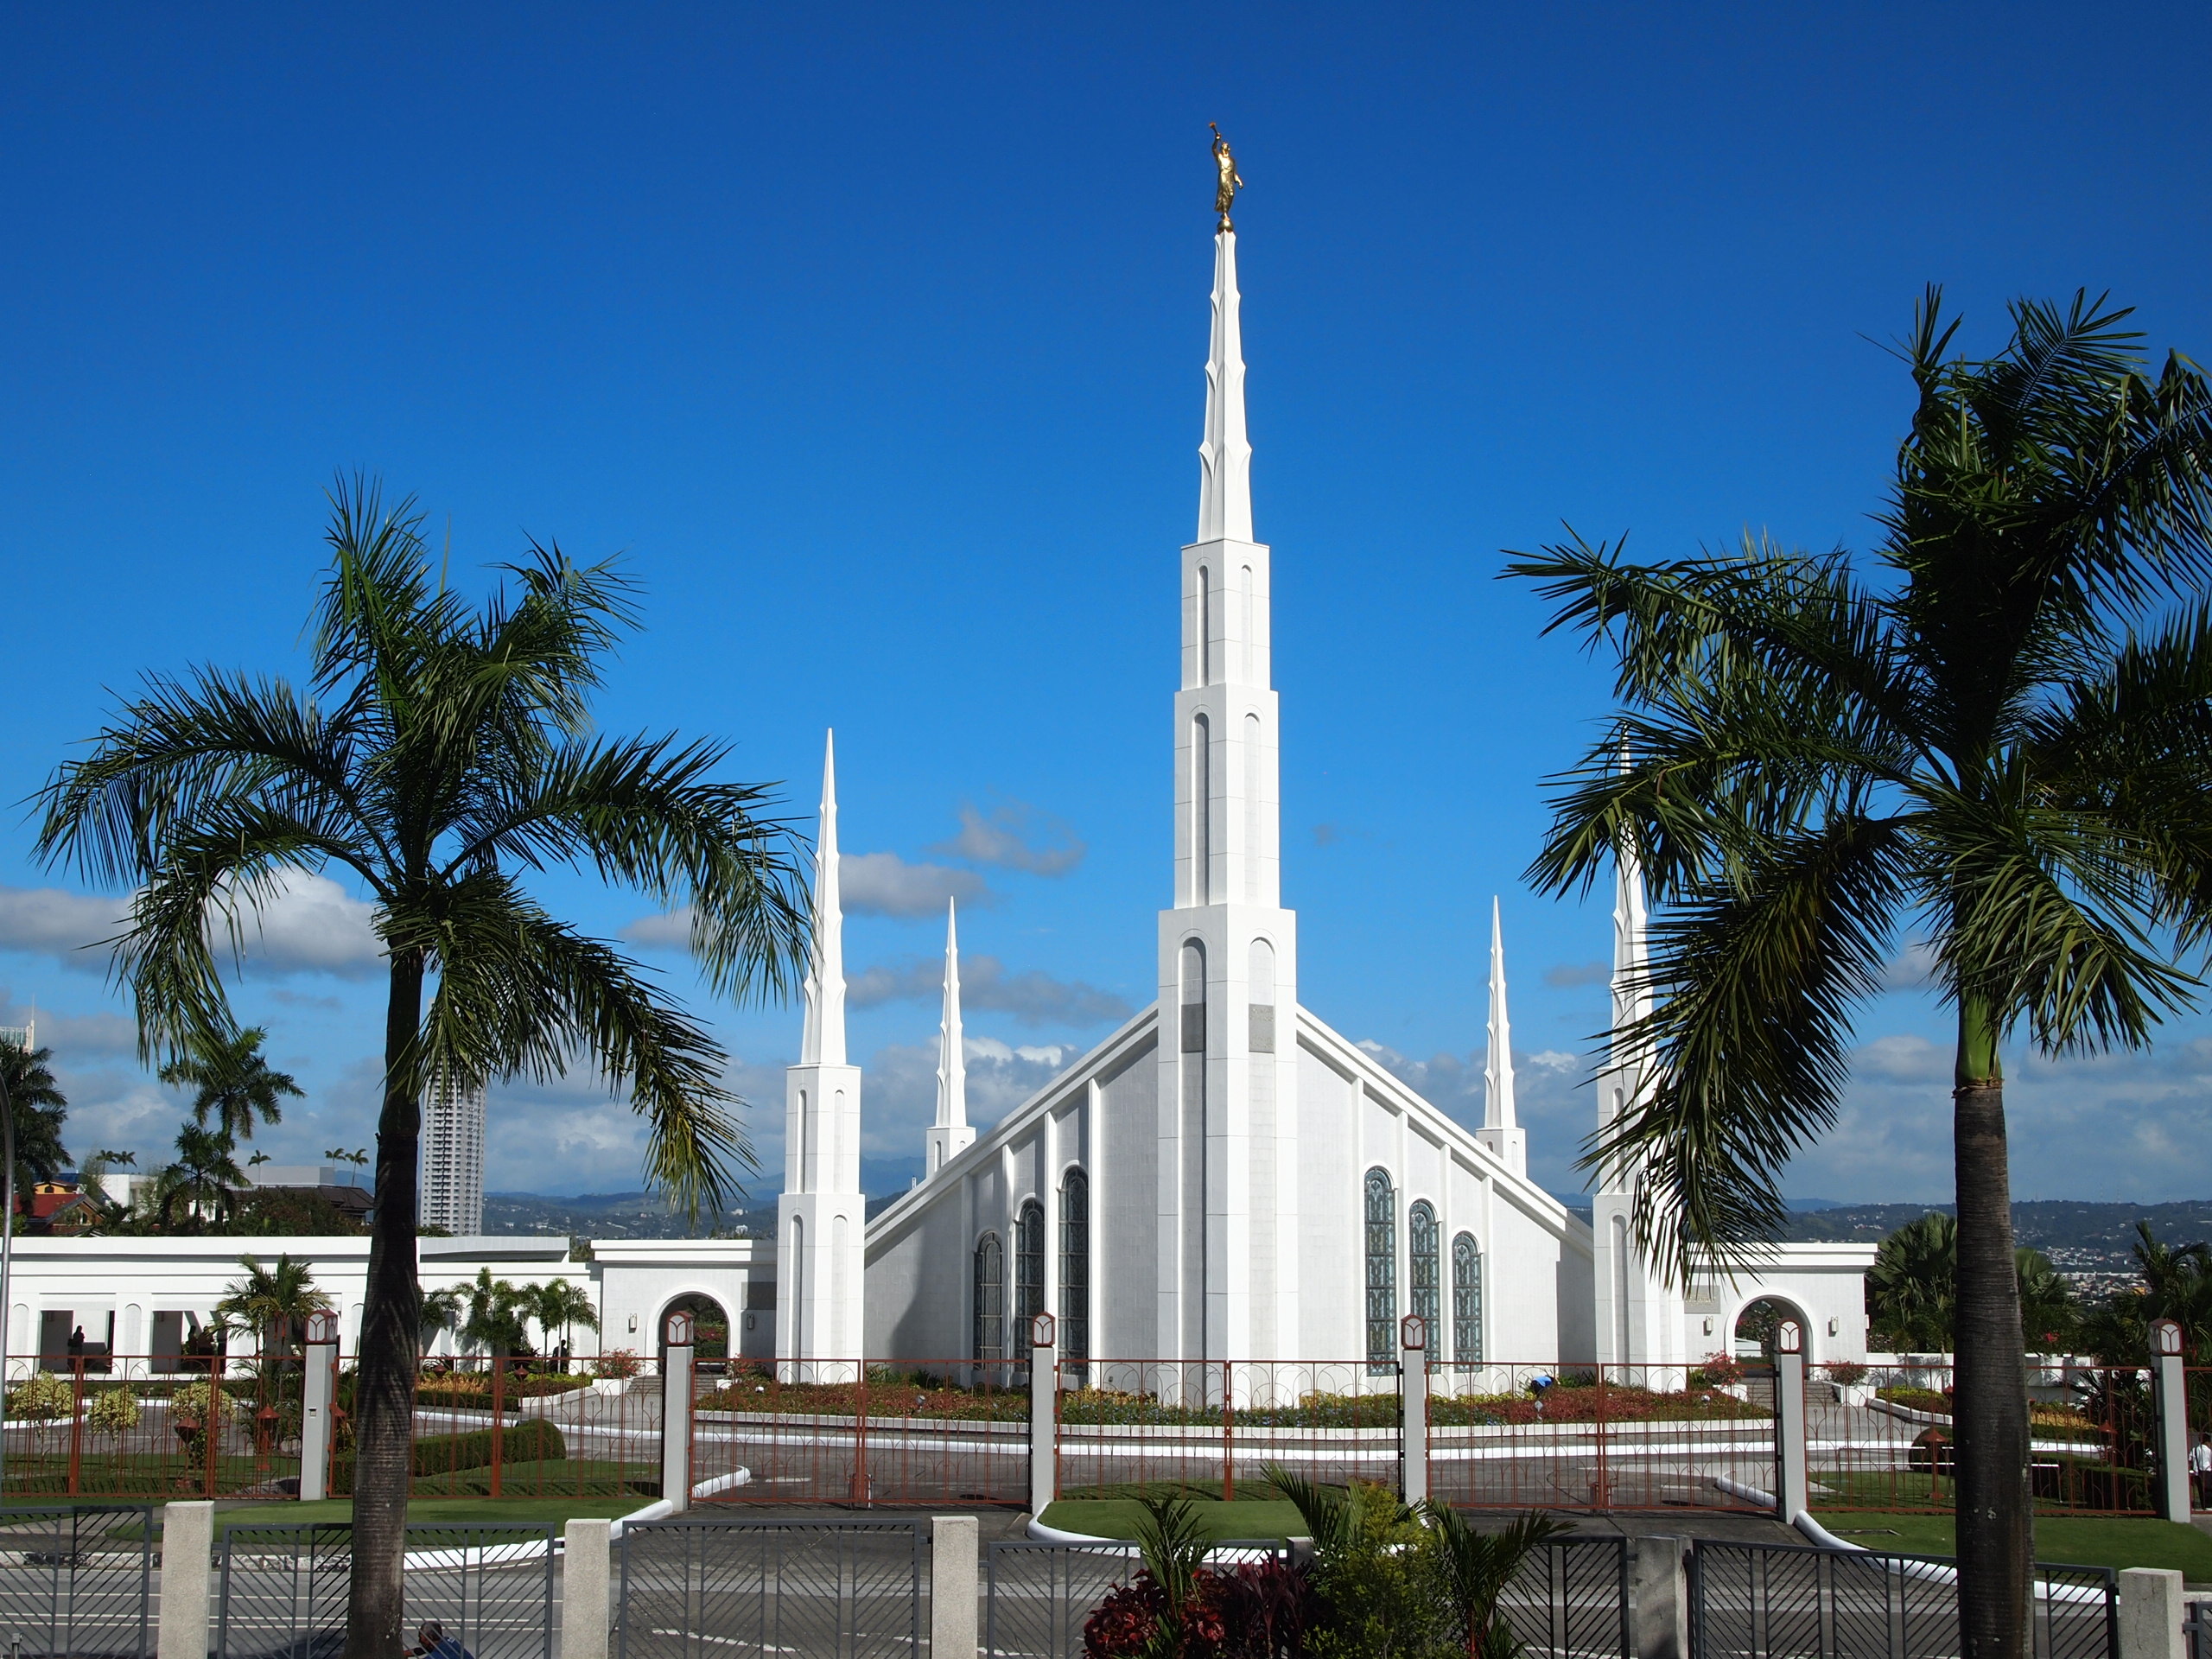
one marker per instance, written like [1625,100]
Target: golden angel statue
[1230,183]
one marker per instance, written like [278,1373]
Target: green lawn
[1117,1517]
[2081,1541]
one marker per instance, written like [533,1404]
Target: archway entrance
[1757,1325]
[710,1328]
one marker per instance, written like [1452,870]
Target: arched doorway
[1759,1323]
[709,1326]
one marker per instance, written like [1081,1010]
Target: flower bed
[886,1396]
[474,1388]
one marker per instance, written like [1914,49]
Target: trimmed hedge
[534,1441]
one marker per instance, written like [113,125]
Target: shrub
[1718,1371]
[113,1411]
[188,1406]
[1848,1372]
[43,1395]
[467,1388]
[533,1442]
[618,1363]
[1917,1399]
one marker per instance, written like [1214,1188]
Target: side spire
[1498,1071]
[822,1040]
[1225,456]
[951,1134]
[1501,1132]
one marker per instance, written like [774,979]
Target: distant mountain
[613,1214]
[628,1215]
[2074,1233]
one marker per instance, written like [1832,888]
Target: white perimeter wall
[134,1278]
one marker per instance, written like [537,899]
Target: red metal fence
[1500,1435]
[918,1432]
[1617,1437]
[1881,1438]
[114,1426]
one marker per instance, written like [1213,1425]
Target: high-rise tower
[820,1218]
[452,1193]
[951,1135]
[1228,1283]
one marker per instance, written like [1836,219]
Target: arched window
[1425,1268]
[1206,665]
[1028,1270]
[1201,810]
[797,1276]
[1466,1301]
[1381,1272]
[990,1298]
[1075,1266]
[1254,818]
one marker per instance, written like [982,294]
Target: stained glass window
[1381,1272]
[1466,1301]
[1075,1266]
[990,1298]
[1425,1268]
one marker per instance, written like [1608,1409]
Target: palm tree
[39,1107]
[1912,1288]
[271,1304]
[1997,739]
[1477,1568]
[232,1081]
[562,1304]
[2176,1284]
[440,755]
[493,1315]
[203,1182]
[441,1310]
[1912,1291]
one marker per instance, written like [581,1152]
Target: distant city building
[453,1160]
[24,1036]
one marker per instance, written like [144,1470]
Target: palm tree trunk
[1996,1516]
[390,1333]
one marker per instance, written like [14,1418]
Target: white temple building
[1225,1178]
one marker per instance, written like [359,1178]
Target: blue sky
[874,341]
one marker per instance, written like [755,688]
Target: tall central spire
[1228,1149]
[1225,456]
[822,1040]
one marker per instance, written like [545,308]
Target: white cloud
[1912,969]
[48,922]
[900,1097]
[308,923]
[1016,836]
[1568,975]
[884,884]
[305,924]
[101,1033]
[1032,996]
[670,931]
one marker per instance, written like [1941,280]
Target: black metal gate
[490,1588]
[1789,1601]
[703,1588]
[77,1579]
